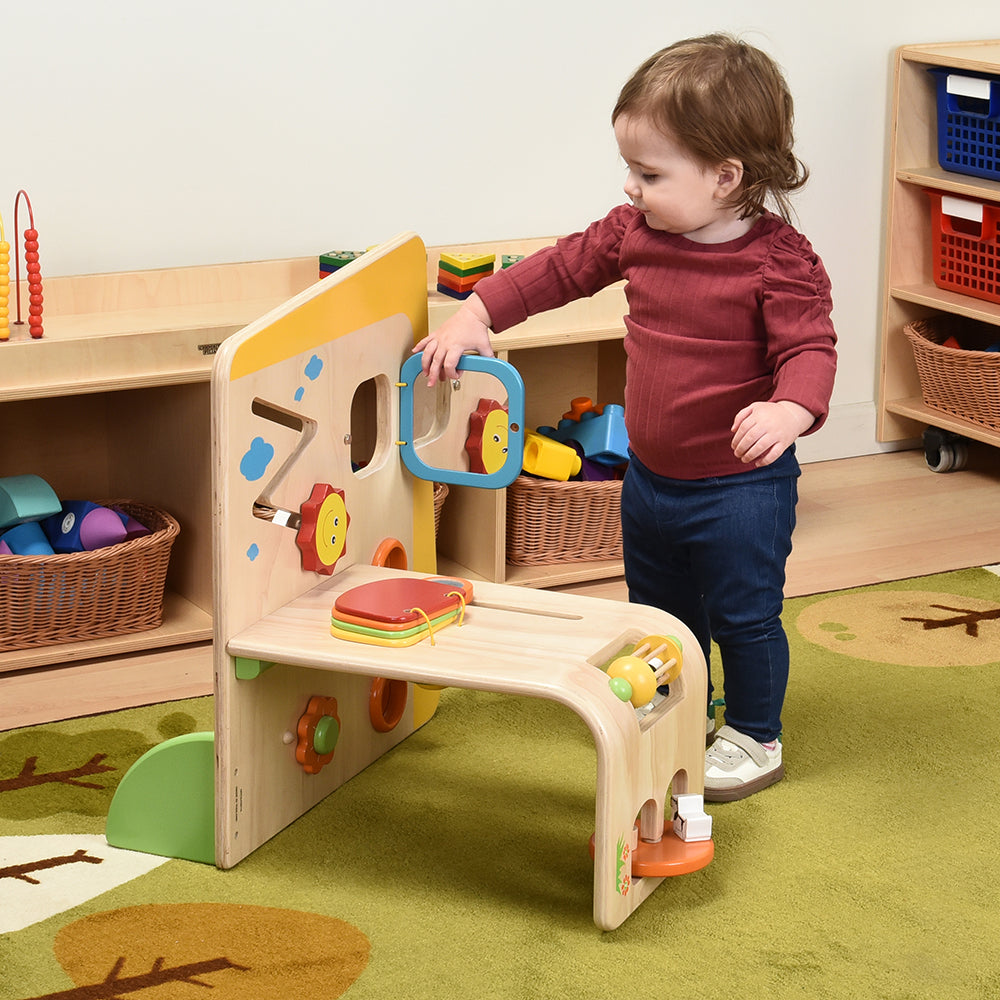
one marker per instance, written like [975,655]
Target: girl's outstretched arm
[467,330]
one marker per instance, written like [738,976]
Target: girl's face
[676,194]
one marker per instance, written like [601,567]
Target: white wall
[158,135]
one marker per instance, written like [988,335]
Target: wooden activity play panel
[312,681]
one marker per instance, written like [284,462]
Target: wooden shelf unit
[909,292]
[577,350]
[114,403]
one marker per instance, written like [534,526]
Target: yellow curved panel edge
[424,542]
[387,281]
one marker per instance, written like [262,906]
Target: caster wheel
[941,459]
[943,451]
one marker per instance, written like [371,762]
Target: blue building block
[602,437]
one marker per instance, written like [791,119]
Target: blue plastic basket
[968,119]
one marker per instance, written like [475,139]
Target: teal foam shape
[26,498]
[165,804]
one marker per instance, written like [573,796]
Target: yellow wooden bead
[639,675]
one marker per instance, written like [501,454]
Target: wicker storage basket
[964,383]
[552,522]
[71,597]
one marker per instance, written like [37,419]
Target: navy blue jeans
[712,553]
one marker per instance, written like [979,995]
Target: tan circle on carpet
[238,951]
[878,625]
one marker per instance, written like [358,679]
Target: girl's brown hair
[722,99]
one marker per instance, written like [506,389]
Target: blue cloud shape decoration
[314,368]
[254,463]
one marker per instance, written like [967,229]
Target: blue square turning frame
[510,379]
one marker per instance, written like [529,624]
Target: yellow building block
[543,456]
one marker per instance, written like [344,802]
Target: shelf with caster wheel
[934,194]
[918,416]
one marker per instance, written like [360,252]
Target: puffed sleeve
[801,340]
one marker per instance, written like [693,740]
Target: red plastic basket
[964,238]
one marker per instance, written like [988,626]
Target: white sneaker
[737,766]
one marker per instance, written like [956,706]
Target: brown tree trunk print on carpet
[914,628]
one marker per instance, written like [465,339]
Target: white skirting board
[848,432]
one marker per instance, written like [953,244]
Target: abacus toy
[33,270]
[4,285]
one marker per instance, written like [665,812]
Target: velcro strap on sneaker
[746,743]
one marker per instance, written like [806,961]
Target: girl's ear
[729,176]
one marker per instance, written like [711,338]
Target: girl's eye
[648,178]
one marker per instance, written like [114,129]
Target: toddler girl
[730,358]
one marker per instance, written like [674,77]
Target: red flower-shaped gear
[322,534]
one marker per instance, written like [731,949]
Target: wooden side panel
[285,398]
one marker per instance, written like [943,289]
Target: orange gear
[318,731]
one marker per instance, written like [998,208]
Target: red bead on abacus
[34,270]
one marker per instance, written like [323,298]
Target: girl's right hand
[467,330]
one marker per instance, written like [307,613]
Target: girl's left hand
[762,432]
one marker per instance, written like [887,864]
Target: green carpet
[457,867]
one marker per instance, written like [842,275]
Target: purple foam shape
[133,529]
[101,527]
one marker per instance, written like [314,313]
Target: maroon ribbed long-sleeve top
[711,328]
